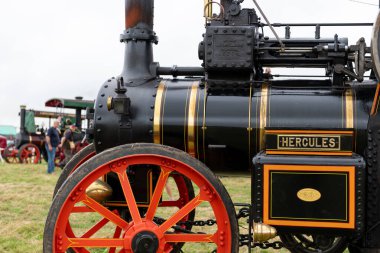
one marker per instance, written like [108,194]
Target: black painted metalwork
[220,112]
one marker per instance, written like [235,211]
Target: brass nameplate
[308,142]
[309,195]
[313,142]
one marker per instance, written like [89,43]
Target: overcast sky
[67,48]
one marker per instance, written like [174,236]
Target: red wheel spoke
[180,214]
[82,209]
[95,228]
[105,212]
[189,238]
[170,203]
[157,193]
[129,197]
[95,243]
[115,235]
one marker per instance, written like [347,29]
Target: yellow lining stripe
[349,109]
[375,104]
[191,120]
[157,114]
[263,114]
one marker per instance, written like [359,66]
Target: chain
[198,223]
[244,241]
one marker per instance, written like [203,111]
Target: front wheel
[127,223]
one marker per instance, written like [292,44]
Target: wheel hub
[145,242]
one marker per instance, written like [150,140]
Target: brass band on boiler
[157,114]
[190,120]
[191,117]
[263,113]
[349,100]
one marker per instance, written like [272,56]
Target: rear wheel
[160,225]
[29,153]
[301,243]
[10,154]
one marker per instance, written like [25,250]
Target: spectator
[52,142]
[68,145]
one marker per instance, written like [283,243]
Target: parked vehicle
[29,146]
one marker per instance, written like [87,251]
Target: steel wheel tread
[201,174]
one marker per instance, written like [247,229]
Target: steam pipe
[138,37]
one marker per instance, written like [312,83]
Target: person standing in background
[68,145]
[51,143]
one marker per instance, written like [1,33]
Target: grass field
[25,197]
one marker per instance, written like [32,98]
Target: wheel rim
[126,232]
[313,243]
[10,155]
[29,153]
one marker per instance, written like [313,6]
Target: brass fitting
[99,190]
[263,232]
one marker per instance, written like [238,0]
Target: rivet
[102,95]
[106,86]
[99,118]
[100,106]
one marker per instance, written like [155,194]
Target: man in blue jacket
[52,142]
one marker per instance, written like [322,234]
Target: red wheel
[184,186]
[29,153]
[79,145]
[160,225]
[10,154]
[59,156]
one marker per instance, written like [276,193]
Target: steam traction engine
[309,145]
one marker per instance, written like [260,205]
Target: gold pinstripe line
[349,108]
[157,114]
[204,127]
[263,113]
[198,105]
[162,114]
[185,118]
[249,129]
[191,119]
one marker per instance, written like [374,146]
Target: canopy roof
[8,130]
[45,114]
[70,103]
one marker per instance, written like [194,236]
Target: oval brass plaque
[309,195]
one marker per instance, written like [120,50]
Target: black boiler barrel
[226,129]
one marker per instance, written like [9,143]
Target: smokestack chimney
[138,37]
[22,118]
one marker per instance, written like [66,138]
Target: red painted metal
[126,230]
[29,153]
